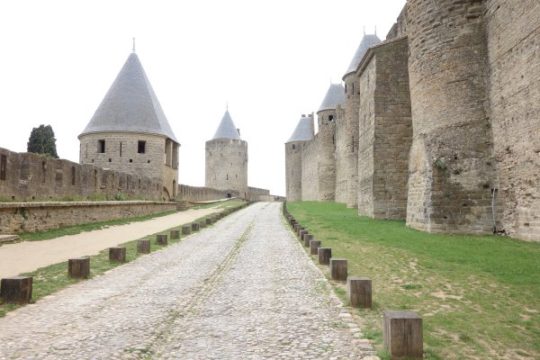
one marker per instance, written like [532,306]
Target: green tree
[42,141]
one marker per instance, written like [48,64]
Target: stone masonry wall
[158,160]
[326,149]
[226,165]
[400,27]
[196,193]
[31,217]
[293,169]
[310,166]
[32,177]
[452,169]
[258,194]
[342,155]
[513,32]
[385,131]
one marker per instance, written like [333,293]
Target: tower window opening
[141,147]
[73,175]
[293,146]
[101,146]
[331,118]
[3,166]
[227,176]
[121,148]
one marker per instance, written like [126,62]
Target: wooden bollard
[338,269]
[301,234]
[359,290]
[194,227]
[143,246]
[175,234]
[16,290]
[162,239]
[79,268]
[202,224]
[324,255]
[314,246]
[186,230]
[307,238]
[117,254]
[208,221]
[403,336]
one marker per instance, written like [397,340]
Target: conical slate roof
[334,96]
[226,128]
[304,130]
[367,42]
[130,105]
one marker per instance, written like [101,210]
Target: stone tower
[130,133]
[293,157]
[347,129]
[227,159]
[327,116]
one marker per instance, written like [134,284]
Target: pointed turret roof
[130,105]
[304,131]
[334,96]
[226,128]
[367,42]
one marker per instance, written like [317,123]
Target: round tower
[227,159]
[347,133]
[451,170]
[130,133]
[327,116]
[293,157]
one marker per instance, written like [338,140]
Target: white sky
[271,60]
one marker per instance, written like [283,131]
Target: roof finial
[375,29]
[364,29]
[227,106]
[133,44]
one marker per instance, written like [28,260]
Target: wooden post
[79,268]
[162,239]
[403,336]
[16,290]
[143,246]
[194,227]
[117,254]
[314,246]
[208,221]
[324,255]
[301,233]
[186,230]
[175,234]
[202,224]
[338,269]
[359,290]
[307,238]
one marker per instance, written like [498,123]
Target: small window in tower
[141,147]
[101,146]
[293,146]
[3,166]
[227,176]
[331,118]
[352,88]
[345,88]
[121,145]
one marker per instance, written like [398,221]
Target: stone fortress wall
[448,134]
[226,165]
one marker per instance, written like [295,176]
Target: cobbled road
[241,289]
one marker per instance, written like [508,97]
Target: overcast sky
[271,61]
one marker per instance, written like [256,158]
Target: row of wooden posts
[18,289]
[402,330]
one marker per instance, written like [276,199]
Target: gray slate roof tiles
[226,128]
[334,96]
[367,42]
[130,105]
[304,131]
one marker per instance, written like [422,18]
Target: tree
[42,141]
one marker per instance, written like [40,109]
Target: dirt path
[28,256]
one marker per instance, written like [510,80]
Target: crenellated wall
[33,177]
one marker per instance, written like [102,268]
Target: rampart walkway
[243,288]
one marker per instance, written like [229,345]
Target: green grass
[77,229]
[479,296]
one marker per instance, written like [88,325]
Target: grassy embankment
[479,296]
[50,279]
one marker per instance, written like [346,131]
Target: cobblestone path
[241,289]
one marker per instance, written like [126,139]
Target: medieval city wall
[198,193]
[310,165]
[33,177]
[293,168]
[258,194]
[513,33]
[343,149]
[326,167]
[385,131]
[40,216]
[226,165]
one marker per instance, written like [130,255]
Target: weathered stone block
[314,246]
[117,254]
[359,290]
[175,234]
[338,269]
[143,246]
[403,337]
[79,268]
[325,254]
[162,239]
[16,290]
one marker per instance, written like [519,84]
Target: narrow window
[3,166]
[345,88]
[293,146]
[331,118]
[101,146]
[227,176]
[352,88]
[73,173]
[43,171]
[121,148]
[141,147]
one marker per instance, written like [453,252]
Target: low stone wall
[33,177]
[256,194]
[195,193]
[39,216]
